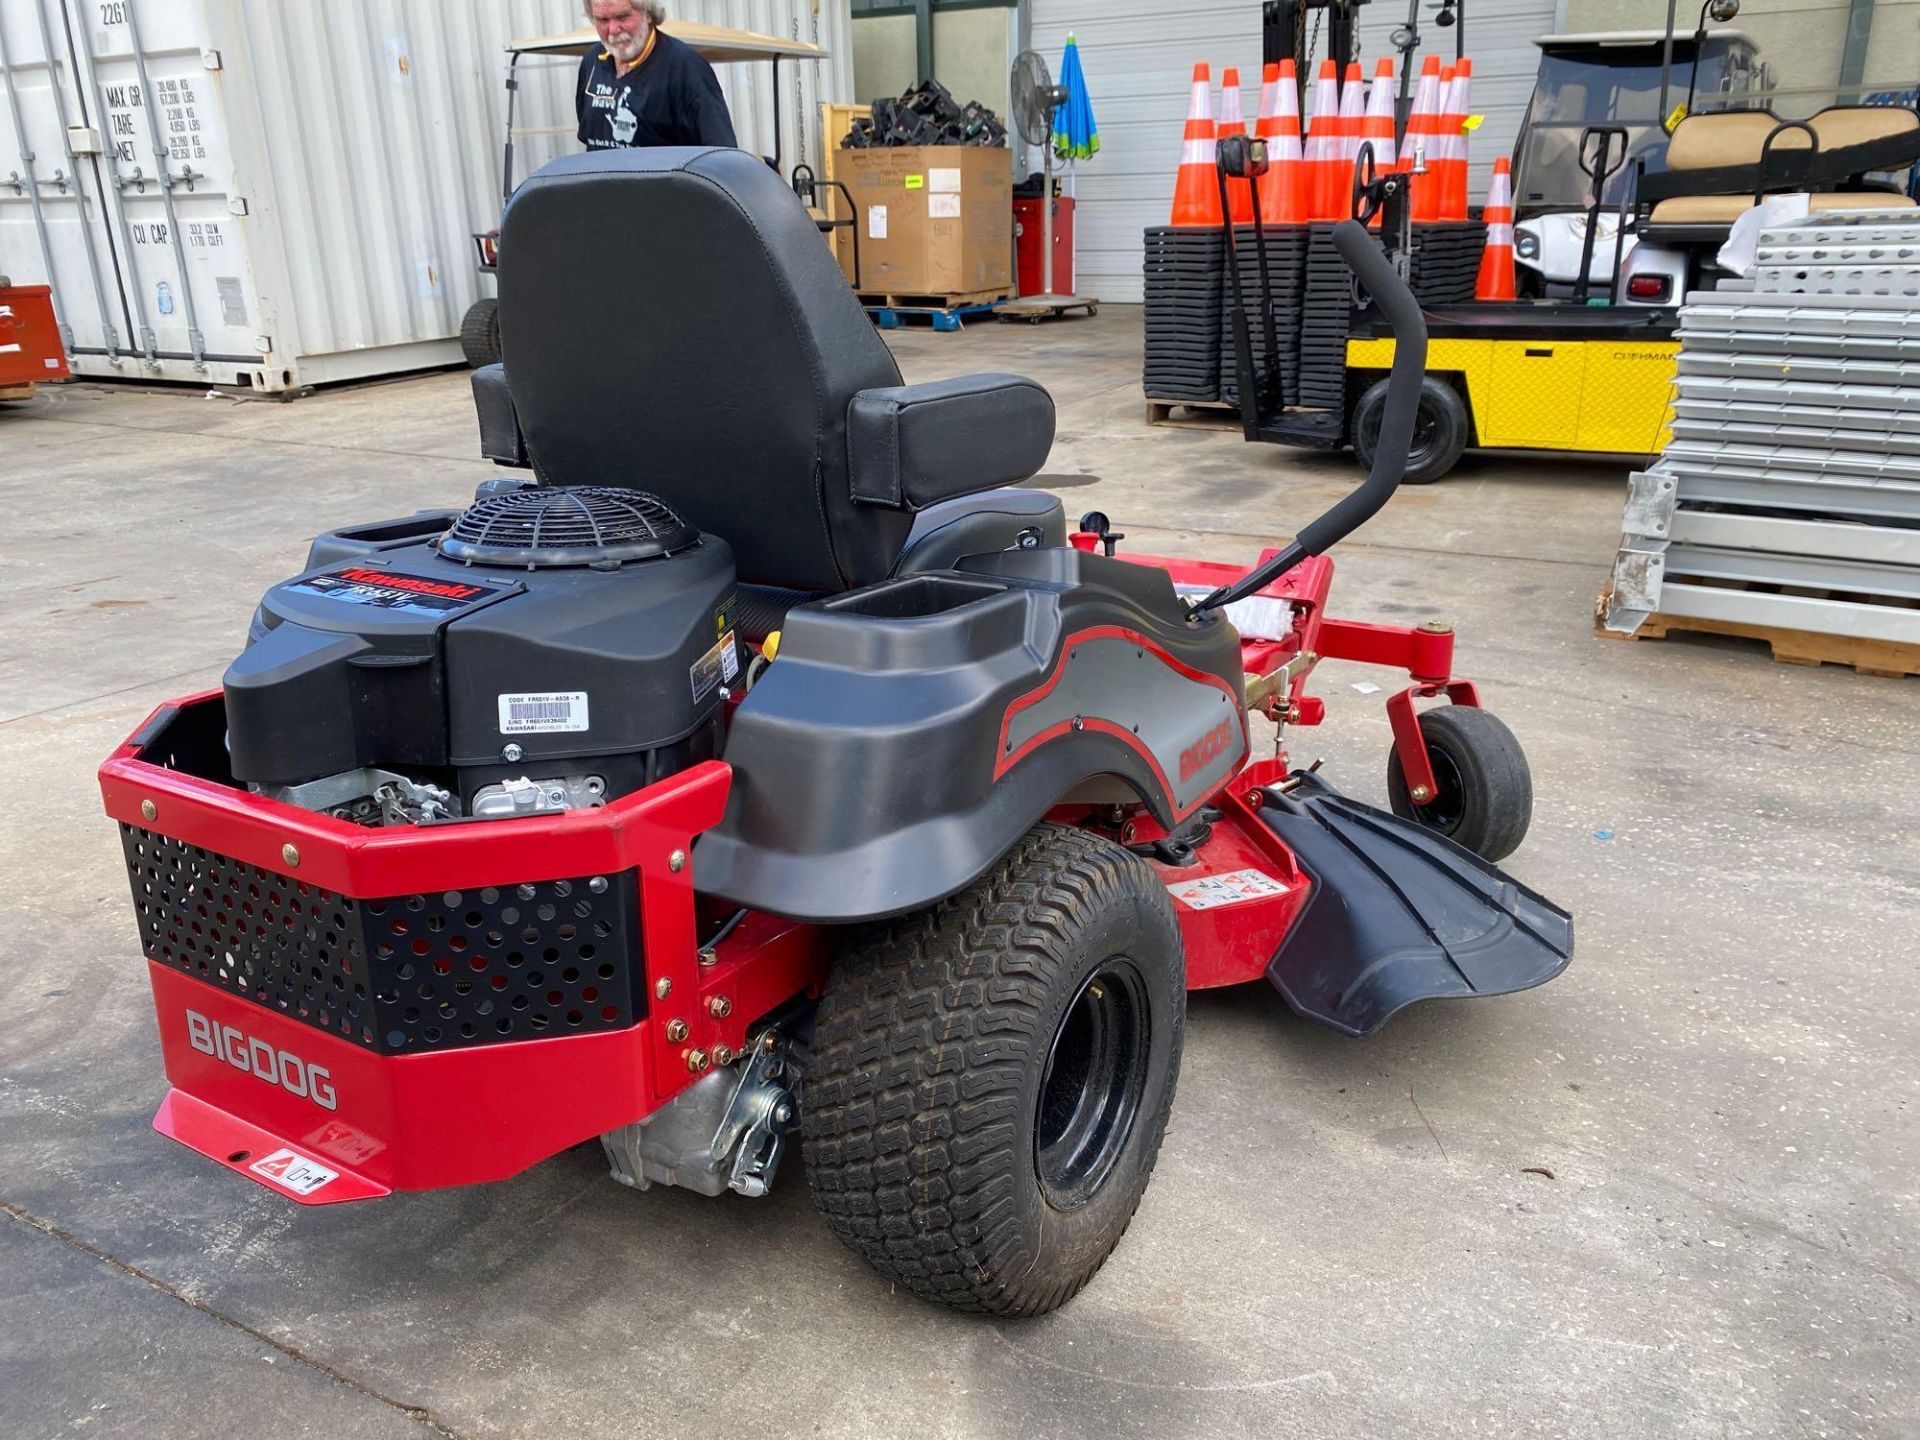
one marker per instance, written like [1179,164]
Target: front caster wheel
[1484,797]
[990,1078]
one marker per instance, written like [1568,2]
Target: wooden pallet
[1890,659]
[1203,414]
[17,392]
[954,300]
[946,319]
[836,121]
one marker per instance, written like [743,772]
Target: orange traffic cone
[1495,281]
[1353,110]
[1282,189]
[1323,148]
[1233,121]
[1376,126]
[1418,147]
[1196,191]
[1453,142]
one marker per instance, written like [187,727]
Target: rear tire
[1485,799]
[480,333]
[1440,430]
[990,1078]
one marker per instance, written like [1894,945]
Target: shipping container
[279,193]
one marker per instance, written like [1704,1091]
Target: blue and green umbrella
[1076,135]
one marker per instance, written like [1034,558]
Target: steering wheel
[1593,156]
[1366,198]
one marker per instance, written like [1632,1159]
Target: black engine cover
[404,659]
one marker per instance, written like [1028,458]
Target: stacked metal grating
[1185,271]
[1789,497]
[1286,257]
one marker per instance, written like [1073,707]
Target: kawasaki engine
[550,649]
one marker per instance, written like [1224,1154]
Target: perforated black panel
[400,973]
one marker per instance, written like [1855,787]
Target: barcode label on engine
[545,714]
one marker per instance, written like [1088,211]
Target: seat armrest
[911,446]
[500,437]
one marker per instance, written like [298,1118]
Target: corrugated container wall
[323,166]
[1139,57]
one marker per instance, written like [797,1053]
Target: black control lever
[1095,522]
[1372,268]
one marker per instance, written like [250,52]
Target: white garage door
[1139,57]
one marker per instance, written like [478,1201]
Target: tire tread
[914,1089]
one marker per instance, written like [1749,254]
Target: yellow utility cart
[1501,375]
[1586,380]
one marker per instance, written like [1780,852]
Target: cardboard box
[933,219]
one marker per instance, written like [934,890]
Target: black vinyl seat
[674,323]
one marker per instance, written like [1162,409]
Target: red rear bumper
[250,1082]
[300,965]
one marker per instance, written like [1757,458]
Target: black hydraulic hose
[727,928]
[1371,267]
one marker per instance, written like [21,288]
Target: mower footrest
[1306,429]
[1399,913]
[295,1171]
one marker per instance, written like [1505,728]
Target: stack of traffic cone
[1323,146]
[1196,192]
[1353,110]
[1234,122]
[1283,199]
[1419,145]
[1453,142]
[1495,281]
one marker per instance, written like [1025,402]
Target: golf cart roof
[720,44]
[1634,38]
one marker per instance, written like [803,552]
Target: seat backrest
[673,321]
[1720,138]
[1839,126]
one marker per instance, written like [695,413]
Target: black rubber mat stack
[1185,271]
[1286,248]
[1446,261]
[1326,312]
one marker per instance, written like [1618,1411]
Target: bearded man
[644,87]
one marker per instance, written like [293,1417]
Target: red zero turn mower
[762,770]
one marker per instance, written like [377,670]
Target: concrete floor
[1672,1194]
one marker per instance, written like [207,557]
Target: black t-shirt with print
[669,98]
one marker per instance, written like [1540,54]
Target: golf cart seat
[677,326]
[1719,163]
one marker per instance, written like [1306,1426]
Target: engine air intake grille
[401,974]
[555,526]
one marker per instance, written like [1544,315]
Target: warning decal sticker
[720,664]
[1230,889]
[294,1172]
